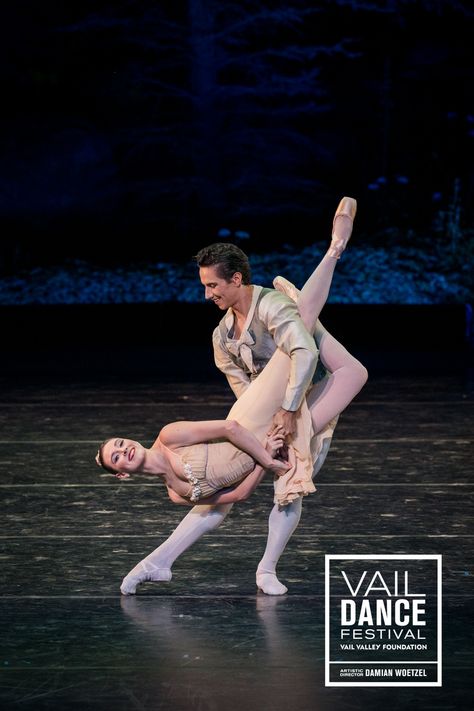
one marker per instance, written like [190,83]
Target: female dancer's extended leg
[347,375]
[256,407]
[157,565]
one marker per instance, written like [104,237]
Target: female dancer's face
[223,293]
[124,455]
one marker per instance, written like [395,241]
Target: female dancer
[194,471]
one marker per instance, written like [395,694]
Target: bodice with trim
[212,466]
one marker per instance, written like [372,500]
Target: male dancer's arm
[280,316]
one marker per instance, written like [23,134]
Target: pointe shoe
[142,573]
[269,584]
[286,287]
[341,233]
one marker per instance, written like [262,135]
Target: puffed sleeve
[236,377]
[281,317]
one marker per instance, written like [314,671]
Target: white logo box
[329,558]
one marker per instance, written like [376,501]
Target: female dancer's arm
[230,495]
[180,434]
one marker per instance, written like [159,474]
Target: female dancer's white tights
[327,399]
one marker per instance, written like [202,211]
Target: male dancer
[257,321]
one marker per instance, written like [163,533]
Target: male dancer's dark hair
[227,258]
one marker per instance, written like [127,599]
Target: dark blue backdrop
[136,132]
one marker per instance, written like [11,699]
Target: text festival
[378,609]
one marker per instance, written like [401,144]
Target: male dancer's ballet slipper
[141,573]
[269,584]
[342,230]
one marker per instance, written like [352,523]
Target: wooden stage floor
[398,479]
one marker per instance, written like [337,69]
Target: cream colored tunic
[215,465]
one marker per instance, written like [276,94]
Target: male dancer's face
[223,293]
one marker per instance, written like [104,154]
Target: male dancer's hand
[286,421]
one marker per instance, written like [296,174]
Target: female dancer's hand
[277,449]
